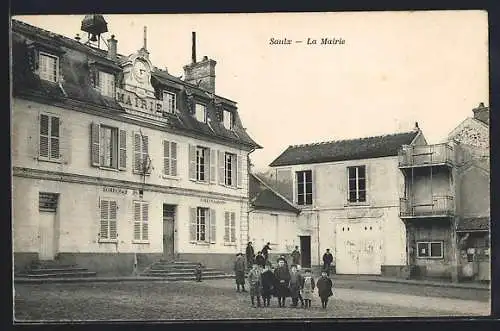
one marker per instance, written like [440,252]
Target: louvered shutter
[239,166]
[213,166]
[206,163]
[192,162]
[54,138]
[313,182]
[166,158]
[137,220]
[213,224]
[95,144]
[44,135]
[192,224]
[112,220]
[173,158]
[137,153]
[227,224]
[221,163]
[104,219]
[233,227]
[122,160]
[145,219]
[234,169]
[145,154]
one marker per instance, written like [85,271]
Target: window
[141,215]
[202,225]
[201,112]
[230,227]
[230,169]
[168,102]
[108,147]
[108,220]
[228,119]
[357,184]
[49,137]
[142,164]
[304,187]
[107,84]
[201,164]
[48,67]
[169,158]
[430,249]
[47,201]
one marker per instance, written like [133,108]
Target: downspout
[248,196]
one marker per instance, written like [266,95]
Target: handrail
[441,205]
[426,155]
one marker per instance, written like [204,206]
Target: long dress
[308,288]
[283,278]
[324,285]
[268,284]
[255,282]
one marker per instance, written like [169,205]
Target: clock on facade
[141,70]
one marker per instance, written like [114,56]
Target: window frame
[196,107]
[304,192]
[141,222]
[173,103]
[101,85]
[429,243]
[143,155]
[171,160]
[44,76]
[200,164]
[206,220]
[231,173]
[231,120]
[49,137]
[109,200]
[230,228]
[114,146]
[357,179]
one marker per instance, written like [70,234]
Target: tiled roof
[474,224]
[263,197]
[77,84]
[351,149]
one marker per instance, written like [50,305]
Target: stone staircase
[54,269]
[181,270]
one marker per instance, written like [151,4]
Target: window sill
[170,177]
[200,243]
[109,169]
[230,244]
[430,257]
[107,241]
[357,204]
[230,186]
[140,174]
[145,242]
[43,159]
[203,182]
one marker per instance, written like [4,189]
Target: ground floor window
[430,249]
[141,220]
[203,223]
[108,219]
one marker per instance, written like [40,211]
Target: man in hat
[295,256]
[250,254]
[327,261]
[265,251]
[239,271]
[282,279]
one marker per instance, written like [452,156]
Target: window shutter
[313,182]
[206,160]
[239,165]
[112,220]
[54,138]
[213,223]
[95,144]
[122,160]
[221,162]
[166,157]
[235,176]
[227,225]
[145,154]
[192,162]
[104,219]
[192,224]
[233,227]
[137,220]
[173,158]
[145,216]
[44,135]
[137,153]
[213,166]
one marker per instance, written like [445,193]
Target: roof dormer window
[169,102]
[106,84]
[227,119]
[49,67]
[201,112]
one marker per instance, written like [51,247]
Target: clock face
[141,70]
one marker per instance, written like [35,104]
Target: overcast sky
[394,69]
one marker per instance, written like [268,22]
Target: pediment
[471,132]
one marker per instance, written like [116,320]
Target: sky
[393,69]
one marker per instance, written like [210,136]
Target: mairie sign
[131,100]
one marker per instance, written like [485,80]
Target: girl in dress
[308,288]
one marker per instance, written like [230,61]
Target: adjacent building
[116,161]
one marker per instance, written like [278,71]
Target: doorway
[47,206]
[168,232]
[305,251]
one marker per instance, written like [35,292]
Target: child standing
[255,282]
[197,272]
[268,285]
[308,288]
[325,286]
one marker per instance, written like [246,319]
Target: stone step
[174,278]
[51,265]
[56,270]
[61,274]
[159,272]
[174,268]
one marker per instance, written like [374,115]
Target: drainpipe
[317,231]
[248,202]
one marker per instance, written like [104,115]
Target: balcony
[427,155]
[439,206]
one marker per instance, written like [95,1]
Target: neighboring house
[272,218]
[113,158]
[348,192]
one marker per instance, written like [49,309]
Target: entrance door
[305,251]
[168,232]
[46,232]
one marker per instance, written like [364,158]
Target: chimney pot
[112,48]
[205,58]
[77,37]
[193,48]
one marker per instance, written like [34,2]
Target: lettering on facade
[110,189]
[132,101]
[207,200]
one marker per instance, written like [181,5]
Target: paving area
[217,299]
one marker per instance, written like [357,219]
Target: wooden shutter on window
[192,162]
[206,160]
[227,224]
[137,153]
[54,137]
[213,166]
[221,162]
[44,135]
[145,154]
[213,223]
[233,227]
[166,158]
[239,166]
[137,220]
[122,159]
[192,224]
[313,183]
[145,221]
[112,220]
[95,144]
[173,158]
[104,219]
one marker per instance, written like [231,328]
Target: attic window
[227,119]
[201,112]
[107,84]
[49,67]
[168,102]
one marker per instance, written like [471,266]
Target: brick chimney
[112,44]
[200,73]
[482,113]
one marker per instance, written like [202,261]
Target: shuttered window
[108,219]
[199,164]
[108,148]
[169,158]
[203,225]
[201,112]
[142,163]
[229,227]
[50,139]
[141,220]
[48,67]
[47,201]
[107,84]
[168,102]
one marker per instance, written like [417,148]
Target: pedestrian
[239,271]
[198,272]
[250,254]
[296,256]
[282,275]
[255,284]
[282,257]
[265,251]
[325,286]
[299,271]
[327,261]
[260,260]
[268,285]
[295,285]
[308,288]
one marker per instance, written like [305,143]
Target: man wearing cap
[239,271]
[250,254]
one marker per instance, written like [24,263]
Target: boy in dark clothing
[295,256]
[283,278]
[325,286]
[260,260]
[198,271]
[268,285]
[265,251]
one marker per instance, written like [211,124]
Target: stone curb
[435,284]
[22,280]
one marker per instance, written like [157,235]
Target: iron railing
[439,206]
[414,156]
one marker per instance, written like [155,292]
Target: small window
[431,250]
[168,102]
[304,187]
[356,184]
[47,201]
[49,67]
[228,119]
[107,84]
[201,113]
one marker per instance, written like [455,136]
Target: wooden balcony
[425,156]
[439,206]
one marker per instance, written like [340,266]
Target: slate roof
[341,150]
[474,223]
[77,84]
[264,197]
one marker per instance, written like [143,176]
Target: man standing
[283,279]
[239,271]
[327,261]
[250,254]
[265,251]
[296,256]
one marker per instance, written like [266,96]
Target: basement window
[47,201]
